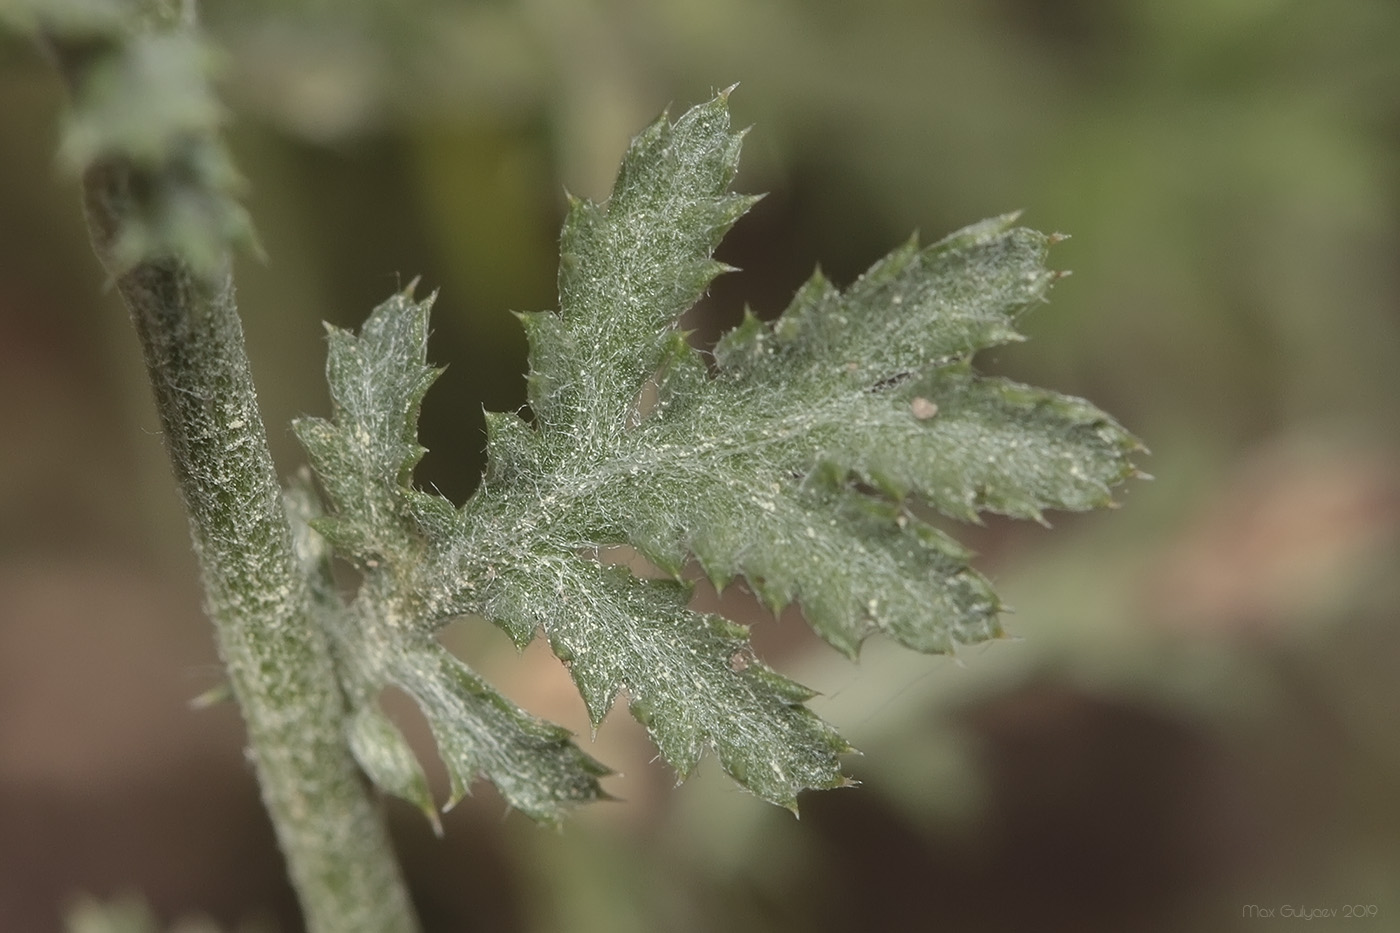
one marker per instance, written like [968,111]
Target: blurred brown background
[1202,711]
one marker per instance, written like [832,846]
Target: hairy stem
[279,660]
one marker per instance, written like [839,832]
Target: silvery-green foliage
[789,458]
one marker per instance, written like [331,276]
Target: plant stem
[279,661]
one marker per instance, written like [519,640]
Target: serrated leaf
[795,463]
[381,639]
[627,269]
[689,677]
[366,452]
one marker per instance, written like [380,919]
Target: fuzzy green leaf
[793,462]
[383,638]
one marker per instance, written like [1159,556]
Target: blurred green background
[1201,711]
